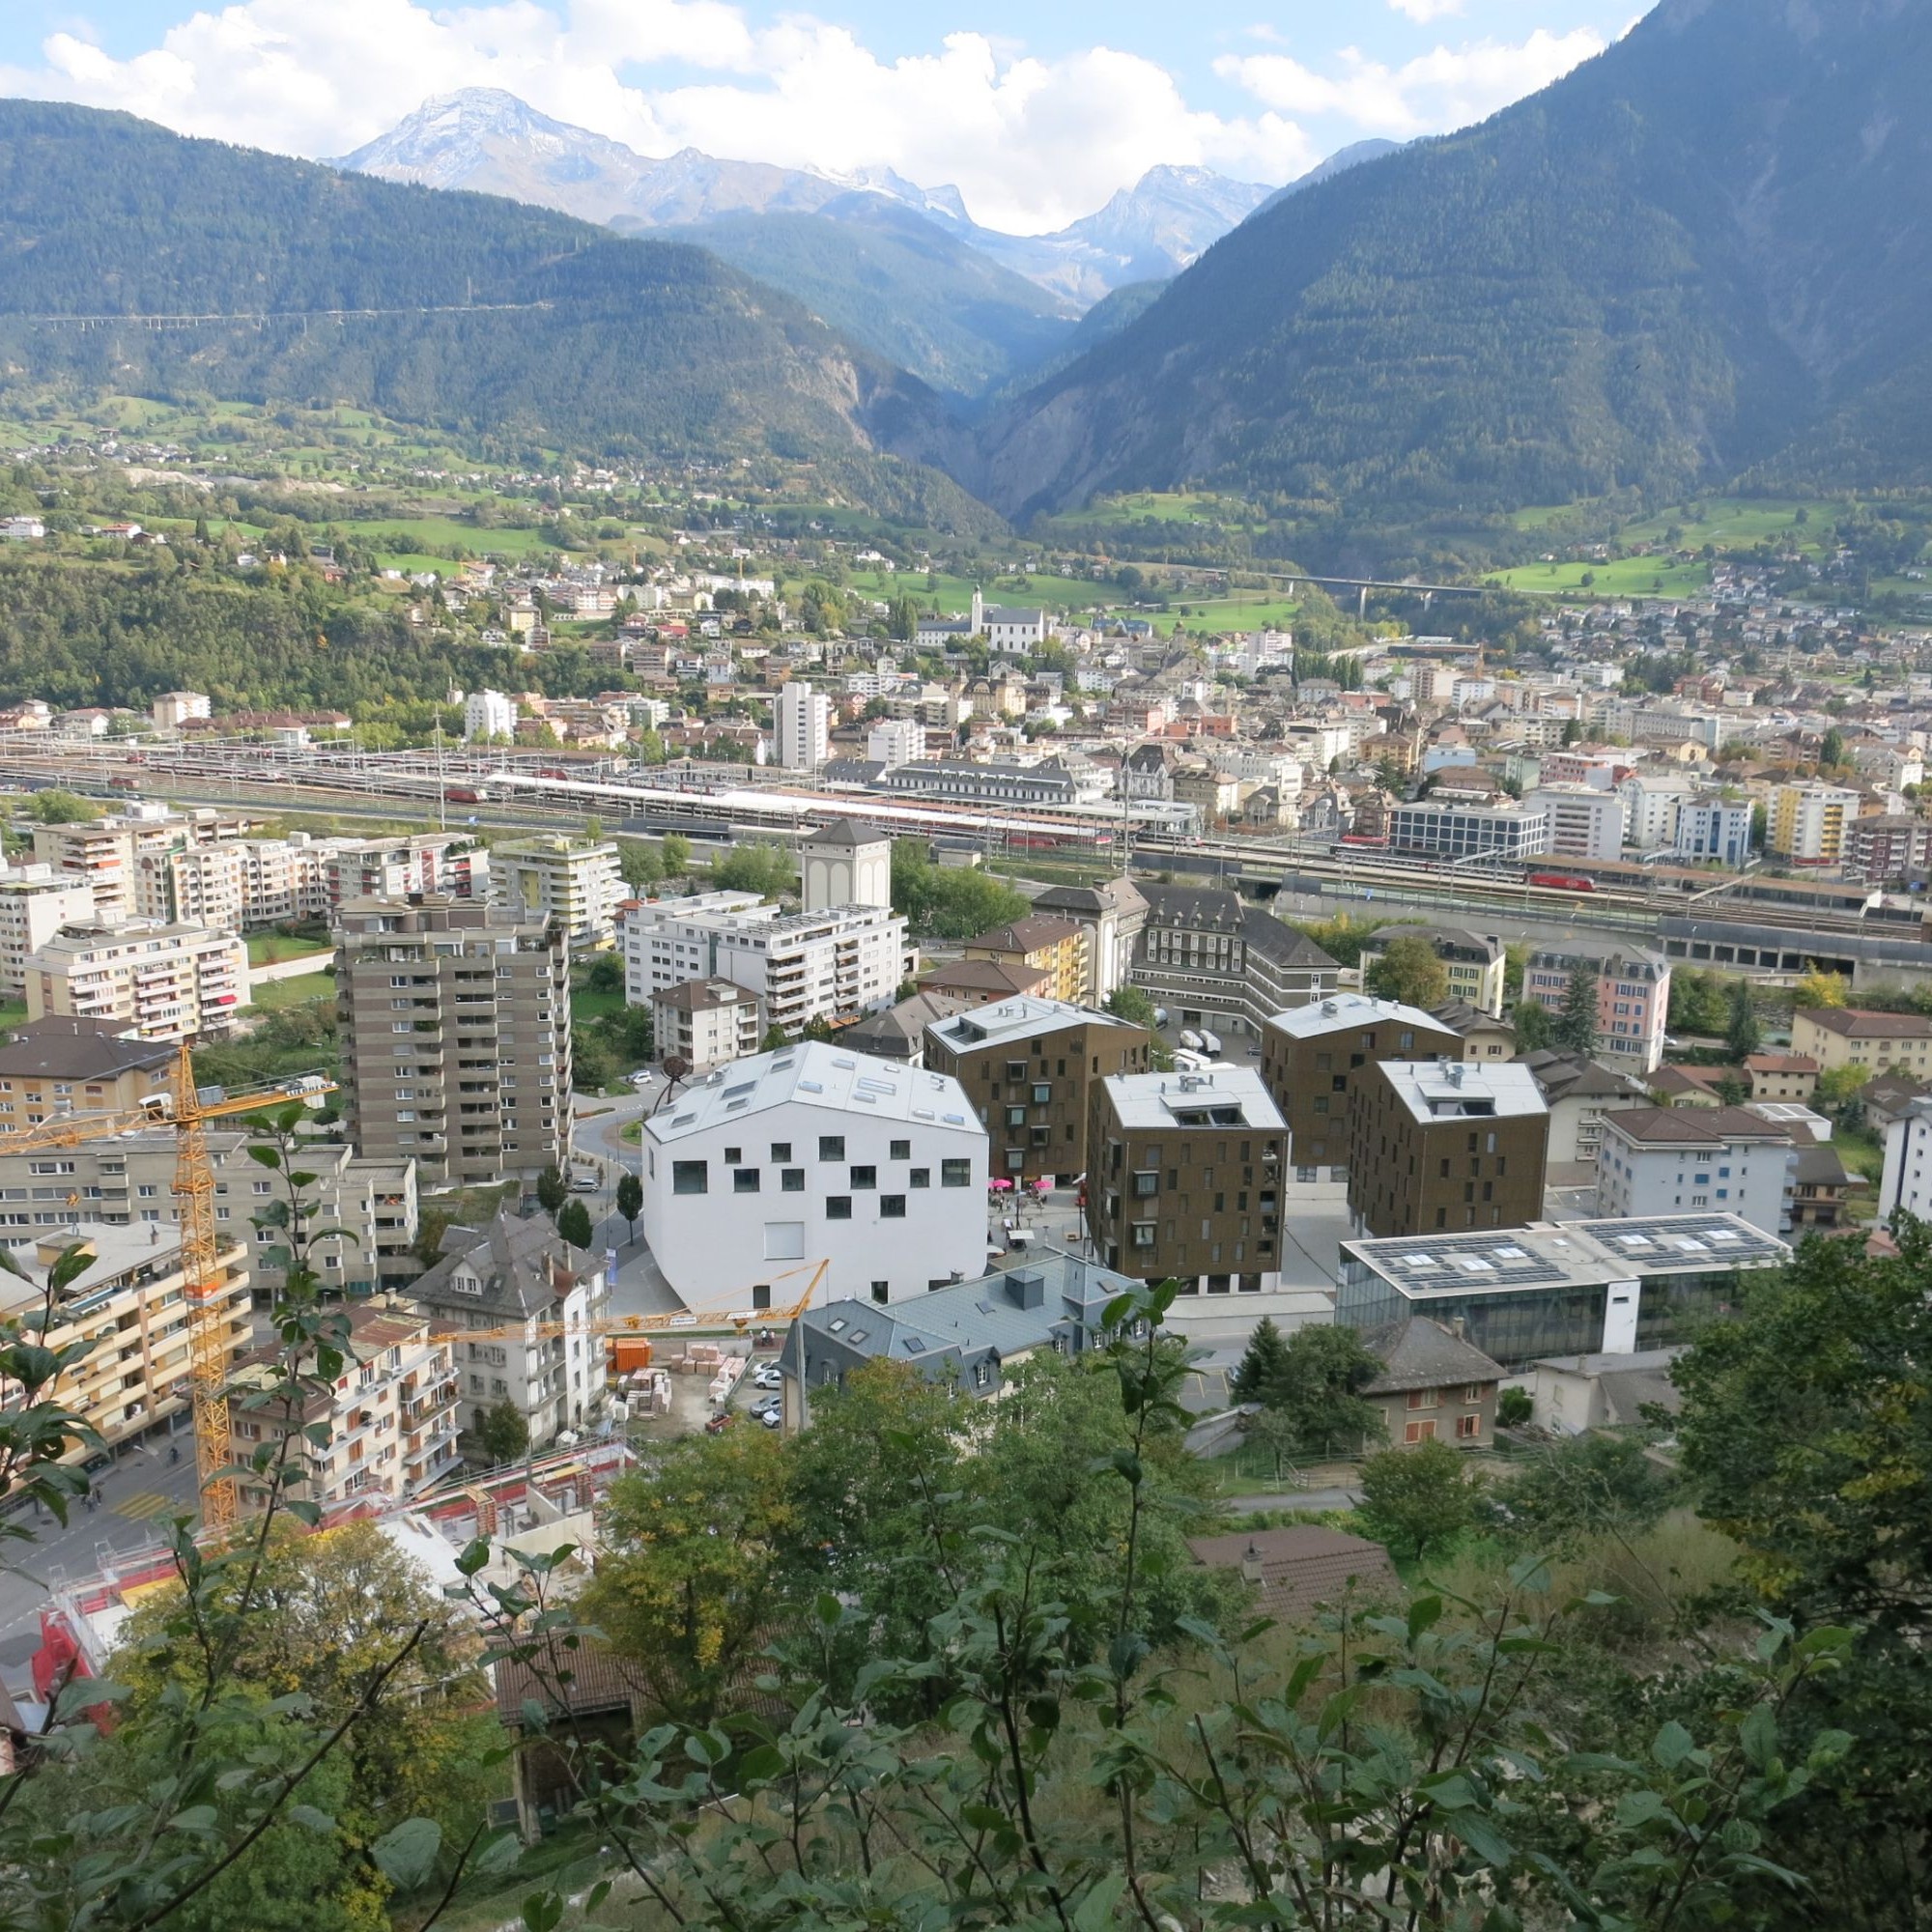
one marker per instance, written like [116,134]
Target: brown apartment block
[1183,1179]
[1027,1066]
[1446,1145]
[1312,1060]
[455,1035]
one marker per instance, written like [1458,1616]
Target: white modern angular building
[771,1166]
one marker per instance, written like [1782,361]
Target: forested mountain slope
[1709,249]
[476,314]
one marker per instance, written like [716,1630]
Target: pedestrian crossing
[148,1506]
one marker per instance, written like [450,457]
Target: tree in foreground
[1418,1497]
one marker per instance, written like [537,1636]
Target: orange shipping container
[630,1352]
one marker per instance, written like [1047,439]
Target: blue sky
[1035,112]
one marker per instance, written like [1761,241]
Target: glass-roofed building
[1558,1288]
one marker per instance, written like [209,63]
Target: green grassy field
[956,593]
[279,995]
[586,1006]
[1160,506]
[404,533]
[271,949]
[1631,577]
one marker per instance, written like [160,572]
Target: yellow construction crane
[687,1320]
[184,1111]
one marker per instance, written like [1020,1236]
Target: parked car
[770,1377]
[772,1418]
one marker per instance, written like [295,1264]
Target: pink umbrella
[1001,1185]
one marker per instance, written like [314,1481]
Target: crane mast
[200,1245]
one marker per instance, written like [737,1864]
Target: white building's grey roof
[1565,1254]
[817,1074]
[1172,1099]
[1014,1019]
[1447,1089]
[1340,1013]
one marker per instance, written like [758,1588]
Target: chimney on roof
[1251,1565]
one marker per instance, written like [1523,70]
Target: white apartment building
[450,863]
[896,740]
[837,961]
[1714,829]
[390,1417]
[1582,821]
[803,727]
[489,713]
[811,1155]
[575,882]
[528,1301]
[1905,1186]
[160,981]
[1675,1160]
[1653,806]
[34,903]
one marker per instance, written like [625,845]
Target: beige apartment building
[105,853]
[705,1023]
[1837,1036]
[454,1021]
[131,1303]
[77,1066]
[391,1417]
[159,982]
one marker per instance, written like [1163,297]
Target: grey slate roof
[898,1032]
[848,833]
[1119,895]
[949,1333]
[1422,1354]
[71,1049]
[1571,1076]
[515,1259]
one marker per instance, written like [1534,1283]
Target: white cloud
[1422,12]
[1030,143]
[1445,88]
